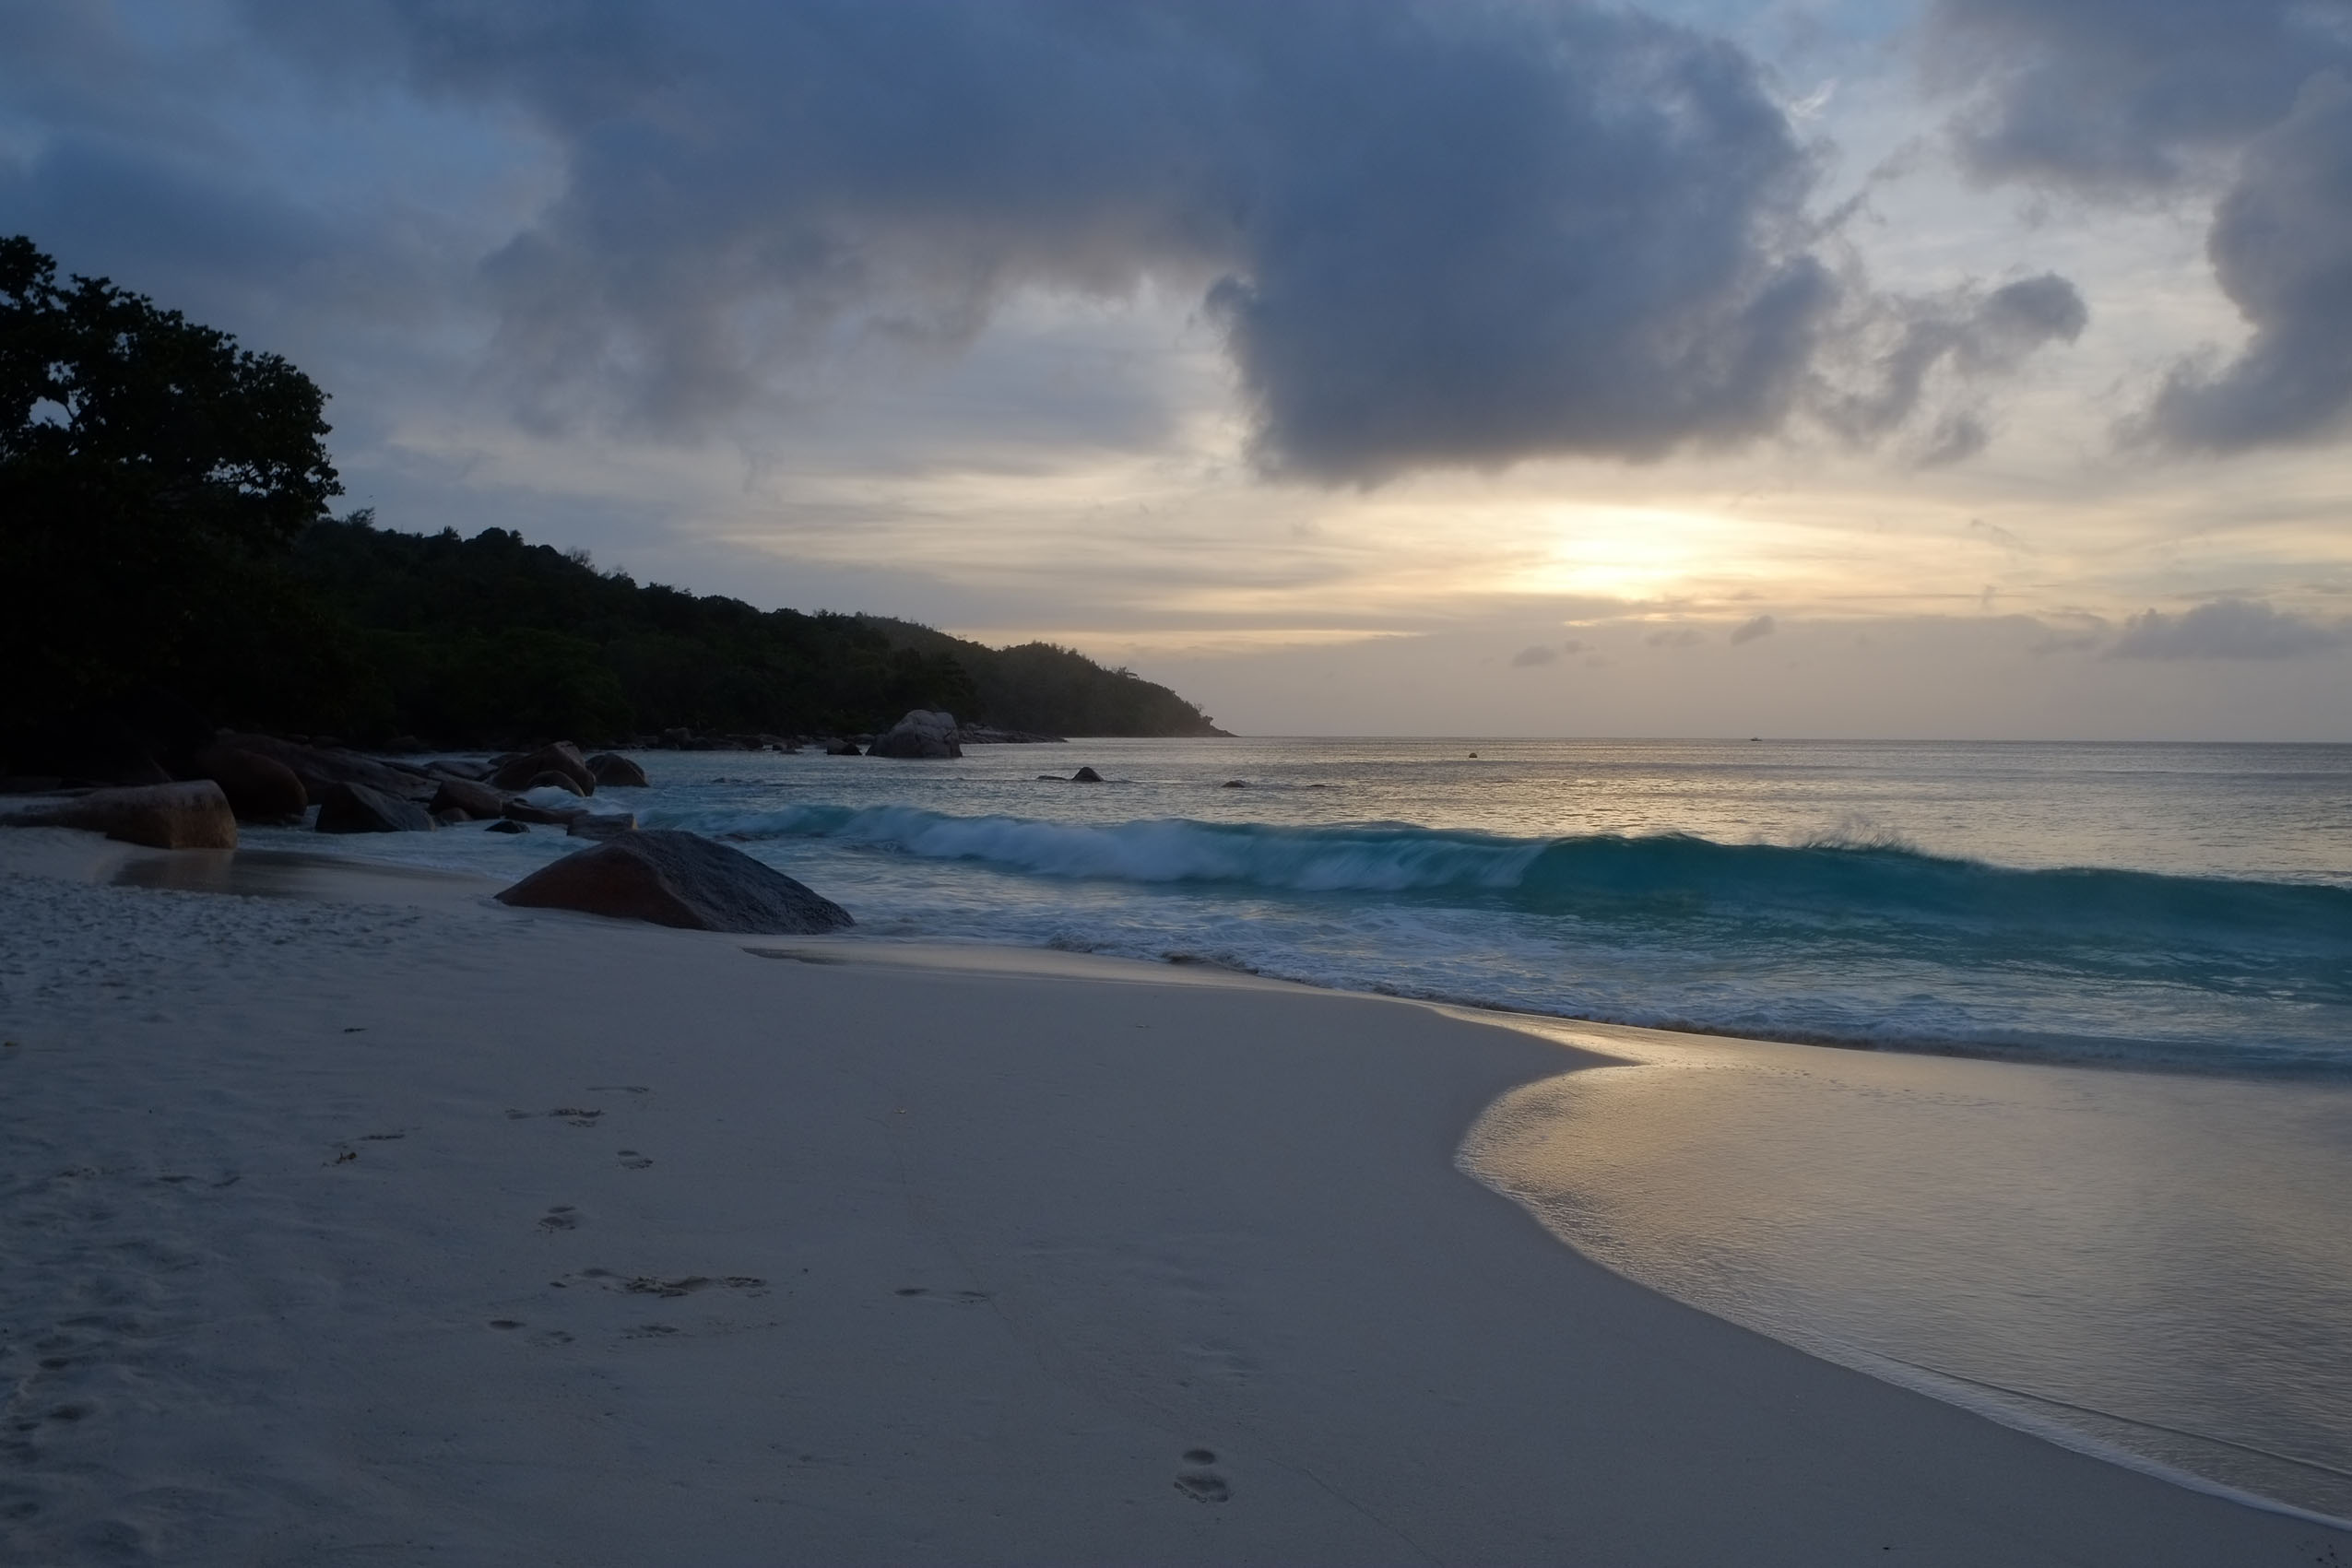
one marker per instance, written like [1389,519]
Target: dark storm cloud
[1750,630]
[2226,629]
[2122,97]
[1531,657]
[1456,233]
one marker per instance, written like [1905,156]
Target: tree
[151,475]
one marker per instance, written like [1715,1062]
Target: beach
[371,1221]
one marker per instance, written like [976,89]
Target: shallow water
[2158,1263]
[2163,905]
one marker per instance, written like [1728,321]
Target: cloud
[1750,630]
[1528,658]
[2226,629]
[2100,94]
[1675,637]
[1434,234]
[1900,341]
[2116,97]
[2282,250]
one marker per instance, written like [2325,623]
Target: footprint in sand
[1200,1484]
[953,1298]
[562,1216]
[633,1160]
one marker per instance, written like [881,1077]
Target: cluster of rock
[268,780]
[955,735]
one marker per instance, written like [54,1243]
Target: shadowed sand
[427,1231]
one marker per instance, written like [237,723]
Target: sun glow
[1638,553]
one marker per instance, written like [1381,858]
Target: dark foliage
[152,478]
[493,639]
[166,561]
[1038,685]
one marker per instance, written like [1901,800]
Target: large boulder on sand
[260,789]
[683,880]
[356,808]
[561,758]
[193,815]
[921,734]
[614,770]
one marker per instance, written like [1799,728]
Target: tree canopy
[152,472]
[165,537]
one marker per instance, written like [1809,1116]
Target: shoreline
[1014,1260]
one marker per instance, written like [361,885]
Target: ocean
[2153,1263]
[2187,907]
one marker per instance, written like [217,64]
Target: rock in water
[601,824]
[507,827]
[356,808]
[321,767]
[1086,775]
[614,770]
[677,878]
[194,814]
[561,758]
[921,734]
[260,789]
[478,801]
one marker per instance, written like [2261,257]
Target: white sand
[862,1261]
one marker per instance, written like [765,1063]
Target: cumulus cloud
[1434,233]
[2282,250]
[1750,630]
[2121,96]
[1532,656]
[2226,629]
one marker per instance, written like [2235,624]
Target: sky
[1959,368]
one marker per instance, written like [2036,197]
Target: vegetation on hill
[1038,685]
[164,525]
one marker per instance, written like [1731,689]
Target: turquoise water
[2176,906]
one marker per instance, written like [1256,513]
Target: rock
[193,815]
[564,758]
[554,780]
[1086,775]
[503,826]
[450,818]
[321,767]
[523,811]
[356,808]
[1235,783]
[612,771]
[449,768]
[681,880]
[921,734]
[839,748]
[602,824]
[478,801]
[260,789]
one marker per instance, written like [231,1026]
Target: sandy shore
[378,1224]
